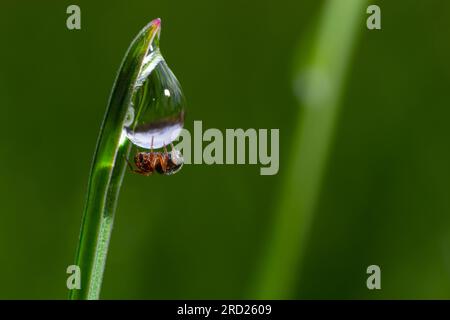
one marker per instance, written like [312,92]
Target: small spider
[166,163]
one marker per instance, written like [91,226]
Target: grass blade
[107,171]
[318,84]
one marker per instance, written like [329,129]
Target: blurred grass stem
[318,84]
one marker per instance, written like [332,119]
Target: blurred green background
[203,233]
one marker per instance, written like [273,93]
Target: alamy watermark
[374,20]
[74,278]
[73,21]
[235,146]
[374,280]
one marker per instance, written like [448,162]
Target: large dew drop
[156,113]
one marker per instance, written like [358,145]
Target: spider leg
[129,163]
[163,160]
[154,158]
[142,173]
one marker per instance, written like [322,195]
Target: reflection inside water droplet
[157,108]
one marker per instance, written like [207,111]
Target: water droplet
[156,112]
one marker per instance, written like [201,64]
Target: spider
[165,163]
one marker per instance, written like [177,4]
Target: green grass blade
[318,83]
[107,171]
